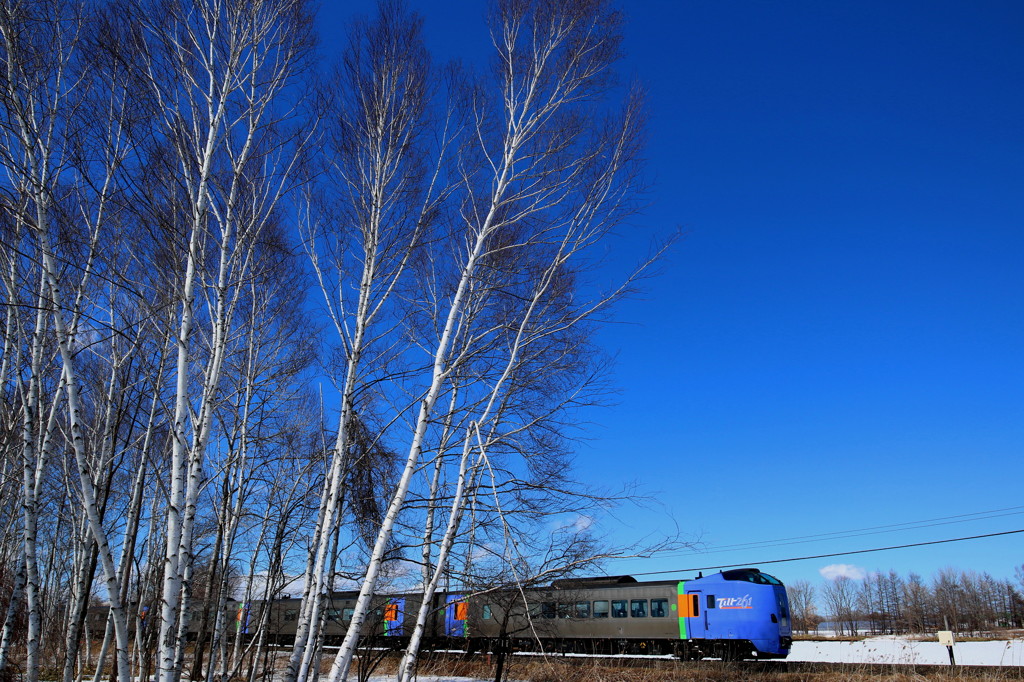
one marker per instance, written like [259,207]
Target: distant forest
[965,602]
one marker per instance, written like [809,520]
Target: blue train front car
[733,615]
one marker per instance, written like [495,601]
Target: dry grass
[538,670]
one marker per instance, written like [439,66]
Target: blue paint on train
[394,617]
[742,605]
[456,624]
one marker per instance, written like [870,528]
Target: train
[731,615]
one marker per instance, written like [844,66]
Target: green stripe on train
[679,603]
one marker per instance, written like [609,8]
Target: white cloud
[833,571]
[583,522]
[577,522]
[486,551]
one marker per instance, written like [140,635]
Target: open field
[887,659]
[903,650]
[890,659]
[710,671]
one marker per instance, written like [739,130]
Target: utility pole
[946,639]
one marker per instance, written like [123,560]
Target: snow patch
[902,651]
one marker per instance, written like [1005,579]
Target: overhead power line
[854,532]
[872,530]
[833,554]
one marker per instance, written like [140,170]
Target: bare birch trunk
[110,577]
[33,463]
[20,580]
[550,61]
[407,666]
[379,124]
[134,512]
[40,98]
[236,64]
[343,660]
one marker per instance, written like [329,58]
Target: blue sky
[836,342]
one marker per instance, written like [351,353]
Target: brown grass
[539,670]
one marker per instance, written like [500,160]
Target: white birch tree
[43,87]
[219,72]
[385,194]
[544,189]
[156,436]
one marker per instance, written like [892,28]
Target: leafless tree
[801,602]
[840,596]
[156,439]
[377,200]
[216,72]
[45,93]
[917,600]
[538,187]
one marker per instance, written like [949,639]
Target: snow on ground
[899,650]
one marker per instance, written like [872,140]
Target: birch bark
[383,82]
[219,72]
[551,59]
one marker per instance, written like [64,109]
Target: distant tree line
[966,602]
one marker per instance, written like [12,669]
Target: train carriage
[735,614]
[732,615]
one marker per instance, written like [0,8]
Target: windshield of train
[751,577]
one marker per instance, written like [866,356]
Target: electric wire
[833,554]
[736,548]
[858,532]
[910,525]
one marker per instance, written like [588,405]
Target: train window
[487,611]
[461,610]
[332,614]
[751,576]
[563,610]
[391,612]
[601,608]
[659,608]
[711,601]
[582,609]
[783,611]
[535,610]
[547,609]
[290,615]
[618,608]
[638,608]
[346,614]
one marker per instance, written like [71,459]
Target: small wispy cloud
[583,522]
[577,522]
[833,571]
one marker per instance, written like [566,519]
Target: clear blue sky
[836,343]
